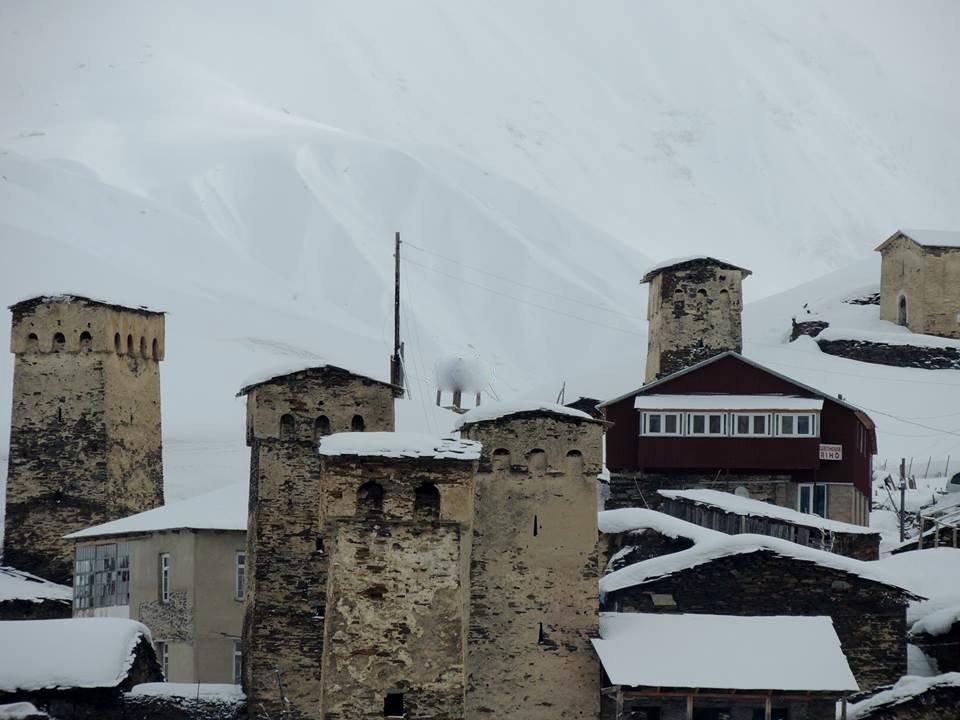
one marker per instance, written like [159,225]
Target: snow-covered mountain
[244,168]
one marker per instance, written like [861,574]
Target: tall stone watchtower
[286,561]
[533,594]
[85,444]
[694,313]
[397,514]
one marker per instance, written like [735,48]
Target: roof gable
[924,239]
[282,375]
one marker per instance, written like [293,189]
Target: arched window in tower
[701,294]
[116,343]
[58,342]
[370,498]
[725,298]
[288,427]
[156,349]
[902,311]
[86,341]
[501,459]
[143,346]
[129,344]
[357,424]
[33,342]
[426,501]
[575,462]
[321,427]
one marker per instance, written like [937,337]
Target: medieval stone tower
[694,312]
[286,555]
[85,444]
[533,593]
[397,515]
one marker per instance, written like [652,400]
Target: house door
[902,313]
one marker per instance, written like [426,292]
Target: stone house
[733,514]
[85,430]
[179,569]
[694,312]
[755,575]
[920,281]
[26,597]
[680,667]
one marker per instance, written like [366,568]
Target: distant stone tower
[694,313]
[85,444]
[533,595]
[396,521]
[286,559]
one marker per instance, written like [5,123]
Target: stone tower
[694,313]
[533,593]
[286,560]
[85,444]
[397,515]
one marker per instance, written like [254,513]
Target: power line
[523,300]
[520,284]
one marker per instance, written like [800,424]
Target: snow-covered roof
[927,238]
[223,509]
[938,622]
[496,411]
[905,689]
[694,651]
[203,691]
[70,653]
[277,372]
[625,520]
[757,508]
[672,262]
[33,300]
[18,585]
[727,402]
[399,445]
[722,545]
[19,711]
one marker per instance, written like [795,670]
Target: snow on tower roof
[18,585]
[279,372]
[757,508]
[67,654]
[22,306]
[223,509]
[722,545]
[926,238]
[398,445]
[625,520]
[497,411]
[693,651]
[655,270]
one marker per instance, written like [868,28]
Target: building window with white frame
[240,586]
[812,498]
[163,658]
[164,577]
[237,662]
[663,423]
[707,424]
[797,425]
[752,424]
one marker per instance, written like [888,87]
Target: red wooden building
[729,423]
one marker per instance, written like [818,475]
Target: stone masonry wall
[694,312]
[533,594]
[85,441]
[870,618]
[286,564]
[938,703]
[929,278]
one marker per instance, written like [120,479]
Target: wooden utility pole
[396,362]
[903,497]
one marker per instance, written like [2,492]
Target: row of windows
[426,499]
[727,424]
[290,425]
[101,576]
[59,342]
[536,459]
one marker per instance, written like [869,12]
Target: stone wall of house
[29,610]
[617,550]
[694,313]
[640,489]
[929,278]
[396,604]
[286,564]
[938,703]
[945,648]
[85,443]
[533,577]
[870,618]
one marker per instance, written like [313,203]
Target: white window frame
[165,577]
[240,575]
[162,651]
[237,662]
[813,487]
[767,424]
[724,421]
[663,419]
[814,425]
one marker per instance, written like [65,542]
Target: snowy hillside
[245,171]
